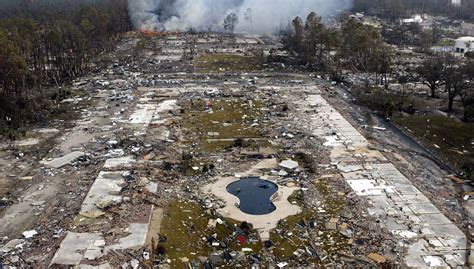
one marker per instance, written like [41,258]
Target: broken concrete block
[136,238]
[63,161]
[212,223]
[289,164]
[27,142]
[119,162]
[29,234]
[69,252]
[11,245]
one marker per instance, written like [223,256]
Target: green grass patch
[445,42]
[229,120]
[185,224]
[386,102]
[451,139]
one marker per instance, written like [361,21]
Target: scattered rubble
[140,179]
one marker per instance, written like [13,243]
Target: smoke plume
[256,16]
[143,16]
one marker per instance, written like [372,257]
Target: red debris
[241,239]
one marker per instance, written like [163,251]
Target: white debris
[119,162]
[365,187]
[212,223]
[349,168]
[134,263]
[433,261]
[289,164]
[406,234]
[379,128]
[143,114]
[115,153]
[11,245]
[29,234]
[27,142]
[62,161]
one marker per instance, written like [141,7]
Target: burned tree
[294,35]
[230,22]
[248,18]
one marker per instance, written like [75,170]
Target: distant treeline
[49,42]
[354,46]
[395,9]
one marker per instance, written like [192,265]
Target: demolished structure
[139,180]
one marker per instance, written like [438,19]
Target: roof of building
[466,38]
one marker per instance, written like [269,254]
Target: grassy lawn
[229,119]
[185,224]
[450,139]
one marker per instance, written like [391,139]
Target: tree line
[361,49]
[454,76]
[44,43]
[396,9]
[355,46]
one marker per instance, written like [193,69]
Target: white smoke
[143,16]
[258,16]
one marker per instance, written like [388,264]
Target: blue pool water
[254,194]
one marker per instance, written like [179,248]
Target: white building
[417,18]
[464,44]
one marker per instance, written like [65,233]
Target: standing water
[254,194]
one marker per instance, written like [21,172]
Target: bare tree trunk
[451,97]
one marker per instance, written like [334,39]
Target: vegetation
[457,77]
[311,41]
[229,120]
[430,73]
[230,22]
[358,47]
[184,226]
[44,43]
[447,137]
[362,49]
[394,9]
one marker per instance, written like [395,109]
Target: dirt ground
[157,125]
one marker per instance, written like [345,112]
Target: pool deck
[262,223]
